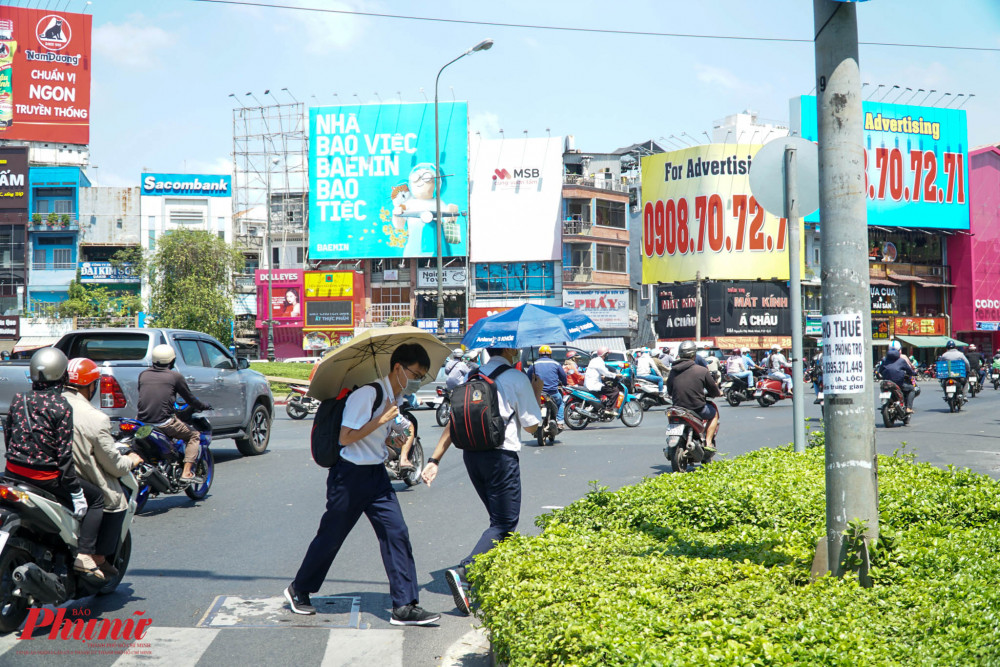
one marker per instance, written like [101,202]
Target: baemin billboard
[916,163]
[44,75]
[698,216]
[373,181]
[515,195]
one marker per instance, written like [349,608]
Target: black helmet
[950,345]
[687,350]
[48,366]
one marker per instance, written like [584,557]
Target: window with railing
[390,304]
[578,255]
[612,259]
[578,210]
[516,278]
[611,214]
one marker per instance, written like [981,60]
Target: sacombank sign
[194,185]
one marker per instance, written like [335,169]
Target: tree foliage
[191,282]
[93,301]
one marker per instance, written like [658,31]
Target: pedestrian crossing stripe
[232,611]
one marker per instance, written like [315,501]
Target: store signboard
[373,180]
[608,308]
[884,299]
[451,325]
[449,277]
[916,163]
[328,284]
[476,314]
[106,272]
[186,185]
[677,308]
[335,314]
[921,326]
[10,327]
[747,309]
[13,177]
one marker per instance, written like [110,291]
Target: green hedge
[713,567]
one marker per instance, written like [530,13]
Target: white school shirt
[516,398]
[369,450]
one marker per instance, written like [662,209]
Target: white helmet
[894,346]
[163,355]
[457,353]
[776,348]
[745,350]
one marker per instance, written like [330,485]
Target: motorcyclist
[975,358]
[38,432]
[456,357]
[553,376]
[597,370]
[458,372]
[776,364]
[996,361]
[646,370]
[736,367]
[816,375]
[689,384]
[662,363]
[96,456]
[896,368]
[159,388]
[573,375]
[952,353]
[748,358]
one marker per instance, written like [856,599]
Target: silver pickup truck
[242,405]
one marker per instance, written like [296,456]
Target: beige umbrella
[366,359]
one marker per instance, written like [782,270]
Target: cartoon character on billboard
[413,210]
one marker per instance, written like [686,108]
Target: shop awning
[245,304]
[924,283]
[928,341]
[433,292]
[34,342]
[592,343]
[898,277]
[883,282]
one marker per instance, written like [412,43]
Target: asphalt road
[210,574]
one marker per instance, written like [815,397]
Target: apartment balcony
[577,274]
[614,184]
[244,282]
[575,227]
[63,222]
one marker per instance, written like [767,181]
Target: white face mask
[410,386]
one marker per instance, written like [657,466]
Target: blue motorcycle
[583,407]
[163,458]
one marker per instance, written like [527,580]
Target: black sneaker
[458,591]
[299,602]
[412,614]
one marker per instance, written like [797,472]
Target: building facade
[53,233]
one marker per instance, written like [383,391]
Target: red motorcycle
[770,390]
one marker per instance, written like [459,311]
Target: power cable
[607,31]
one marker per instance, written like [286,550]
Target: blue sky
[163,70]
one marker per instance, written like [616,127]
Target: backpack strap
[492,379]
[377,386]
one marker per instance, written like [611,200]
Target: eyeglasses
[415,375]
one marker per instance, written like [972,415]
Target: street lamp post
[484,45]
[270,267]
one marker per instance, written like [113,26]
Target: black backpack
[476,424]
[326,426]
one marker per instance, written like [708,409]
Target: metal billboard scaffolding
[270,157]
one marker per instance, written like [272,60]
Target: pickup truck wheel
[258,433]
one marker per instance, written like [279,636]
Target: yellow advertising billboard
[320,285]
[698,215]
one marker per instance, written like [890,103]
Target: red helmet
[82,372]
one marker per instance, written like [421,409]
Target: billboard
[187,185]
[326,285]
[698,216]
[608,308]
[372,181]
[44,75]
[747,309]
[106,272]
[677,308]
[916,163]
[516,187]
[286,296]
[14,177]
[884,300]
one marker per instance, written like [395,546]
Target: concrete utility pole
[795,295]
[851,474]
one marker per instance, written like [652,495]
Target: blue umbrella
[530,325]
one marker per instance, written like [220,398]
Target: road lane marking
[168,646]
[981,451]
[364,648]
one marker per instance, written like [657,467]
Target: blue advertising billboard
[372,181]
[916,164]
[199,185]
